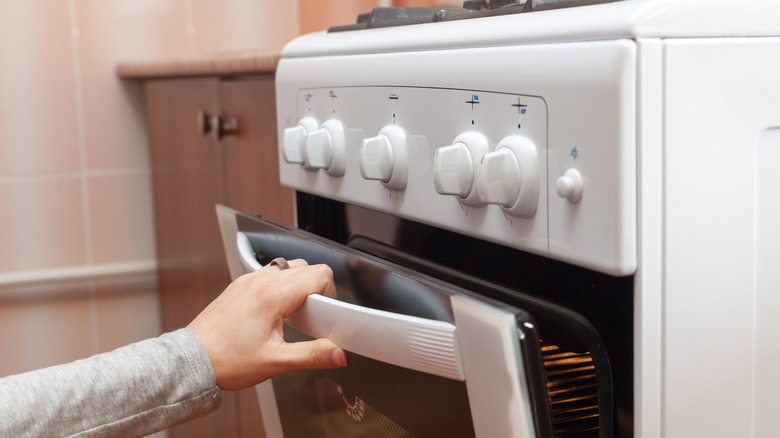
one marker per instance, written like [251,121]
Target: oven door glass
[426,358]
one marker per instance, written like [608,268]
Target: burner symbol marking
[521,108]
[474,100]
[574,153]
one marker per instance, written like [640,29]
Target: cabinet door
[251,153]
[188,179]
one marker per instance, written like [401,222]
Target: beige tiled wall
[75,189]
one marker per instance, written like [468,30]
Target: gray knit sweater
[133,391]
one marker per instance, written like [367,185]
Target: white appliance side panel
[721,96]
[647,281]
[766,381]
[587,91]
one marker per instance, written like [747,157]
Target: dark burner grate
[403,16]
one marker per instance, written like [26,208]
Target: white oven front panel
[565,111]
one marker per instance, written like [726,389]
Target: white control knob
[453,170]
[294,139]
[500,182]
[326,148]
[509,176]
[454,167]
[385,157]
[319,149]
[376,158]
[569,186]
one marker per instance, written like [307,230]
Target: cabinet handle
[224,126]
[215,124]
[204,122]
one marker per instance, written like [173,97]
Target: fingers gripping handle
[415,343]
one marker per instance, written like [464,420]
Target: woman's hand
[242,329]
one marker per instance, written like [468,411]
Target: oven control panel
[491,151]
[512,158]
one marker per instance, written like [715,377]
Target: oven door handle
[249,262]
[411,342]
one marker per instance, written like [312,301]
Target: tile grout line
[77,272]
[85,205]
[118,171]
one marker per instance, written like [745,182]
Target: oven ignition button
[509,176]
[569,186]
[454,167]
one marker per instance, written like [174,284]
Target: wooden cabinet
[191,173]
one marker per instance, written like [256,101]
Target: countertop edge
[233,64]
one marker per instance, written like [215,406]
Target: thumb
[319,353]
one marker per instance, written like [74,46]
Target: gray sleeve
[132,391]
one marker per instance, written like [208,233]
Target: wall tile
[42,224]
[38,123]
[242,25]
[114,135]
[136,30]
[37,333]
[121,217]
[110,32]
[127,311]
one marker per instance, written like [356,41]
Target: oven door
[427,358]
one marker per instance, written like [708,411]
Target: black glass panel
[370,399]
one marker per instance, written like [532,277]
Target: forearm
[132,391]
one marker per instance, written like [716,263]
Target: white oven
[549,219]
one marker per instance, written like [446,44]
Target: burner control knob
[326,148]
[385,157]
[509,176]
[453,170]
[569,186]
[454,167]
[294,139]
